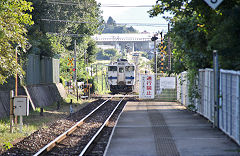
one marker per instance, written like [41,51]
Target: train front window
[129,68]
[112,68]
[121,69]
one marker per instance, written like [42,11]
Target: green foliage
[59,25]
[191,108]
[111,27]
[100,82]
[196,31]
[192,85]
[107,54]
[7,145]
[13,21]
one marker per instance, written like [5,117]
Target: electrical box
[21,105]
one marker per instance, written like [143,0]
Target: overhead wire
[102,5]
[133,24]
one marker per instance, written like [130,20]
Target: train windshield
[112,68]
[129,68]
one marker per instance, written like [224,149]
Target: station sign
[213,3]
[146,90]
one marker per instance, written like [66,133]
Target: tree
[111,27]
[197,30]
[58,25]
[13,21]
[110,21]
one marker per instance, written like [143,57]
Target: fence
[42,70]
[229,99]
[166,88]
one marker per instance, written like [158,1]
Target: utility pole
[75,65]
[154,38]
[16,78]
[169,50]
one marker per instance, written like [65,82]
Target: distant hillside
[111,27]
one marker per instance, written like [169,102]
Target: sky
[133,14]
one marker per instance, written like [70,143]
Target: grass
[167,95]
[34,121]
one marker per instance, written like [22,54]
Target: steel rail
[53,143]
[100,129]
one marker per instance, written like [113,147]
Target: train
[121,76]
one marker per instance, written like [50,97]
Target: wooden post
[20,124]
[77,92]
[89,93]
[11,111]
[96,73]
[102,81]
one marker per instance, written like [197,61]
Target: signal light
[154,38]
[74,69]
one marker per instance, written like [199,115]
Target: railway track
[86,137]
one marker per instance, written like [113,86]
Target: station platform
[166,129]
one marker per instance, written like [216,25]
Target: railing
[229,99]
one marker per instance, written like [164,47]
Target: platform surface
[167,129]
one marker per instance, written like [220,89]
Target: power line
[127,6]
[63,3]
[133,24]
[143,24]
[103,5]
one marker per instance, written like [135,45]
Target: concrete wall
[42,70]
[40,96]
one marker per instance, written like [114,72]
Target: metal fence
[229,99]
[166,88]
[42,70]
